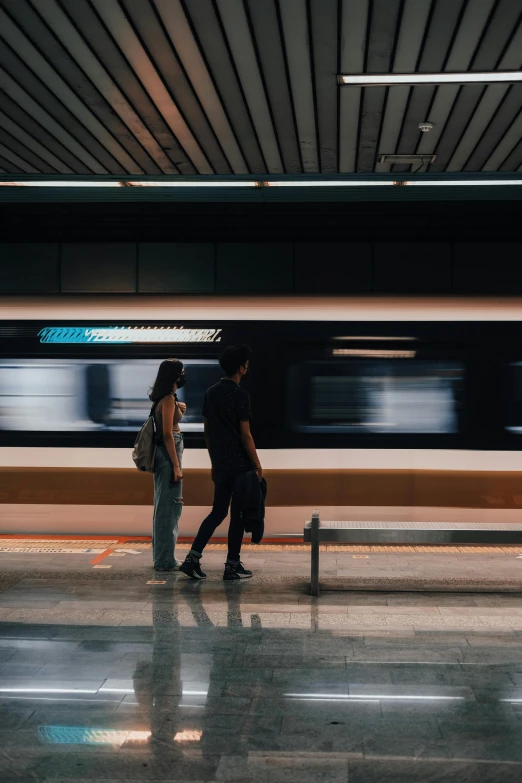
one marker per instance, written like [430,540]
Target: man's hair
[234,357]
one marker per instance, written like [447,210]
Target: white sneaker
[178,564]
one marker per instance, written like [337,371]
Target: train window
[80,395]
[375,395]
[514,398]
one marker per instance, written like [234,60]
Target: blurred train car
[407,409]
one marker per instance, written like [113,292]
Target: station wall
[261,267]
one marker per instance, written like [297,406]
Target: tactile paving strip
[94,546]
[52,546]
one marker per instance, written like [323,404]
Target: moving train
[368,409]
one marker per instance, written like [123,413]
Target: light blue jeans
[168,505]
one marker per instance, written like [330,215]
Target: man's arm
[248,444]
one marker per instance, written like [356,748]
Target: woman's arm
[167,420]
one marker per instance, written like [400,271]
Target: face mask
[181,381]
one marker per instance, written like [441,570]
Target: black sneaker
[192,568]
[232,573]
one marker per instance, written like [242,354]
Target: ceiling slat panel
[491,103]
[324,45]
[28,58]
[50,61]
[18,147]
[270,48]
[191,157]
[178,28]
[110,71]
[220,66]
[9,168]
[413,25]
[297,42]
[510,139]
[32,144]
[383,30]
[476,105]
[513,162]
[220,87]
[442,27]
[168,66]
[234,21]
[18,162]
[106,86]
[21,118]
[472,26]
[354,22]
[491,99]
[35,110]
[66,51]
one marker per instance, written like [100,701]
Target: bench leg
[314,575]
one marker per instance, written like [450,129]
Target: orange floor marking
[97,560]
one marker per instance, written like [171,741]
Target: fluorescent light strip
[464,182]
[117,690]
[45,690]
[46,698]
[193,184]
[315,183]
[60,183]
[368,697]
[389,79]
[329,183]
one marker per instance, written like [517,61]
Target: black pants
[222,497]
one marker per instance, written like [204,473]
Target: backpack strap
[151,416]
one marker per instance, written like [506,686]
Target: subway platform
[408,667]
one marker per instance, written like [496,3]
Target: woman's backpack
[144,449]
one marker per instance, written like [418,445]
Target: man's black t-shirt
[225,405]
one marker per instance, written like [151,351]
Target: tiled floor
[105,677]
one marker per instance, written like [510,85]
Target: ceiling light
[463,182]
[181,183]
[327,183]
[297,183]
[365,696]
[62,183]
[45,690]
[390,79]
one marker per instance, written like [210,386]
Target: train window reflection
[82,395]
[375,395]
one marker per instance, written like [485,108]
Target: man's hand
[259,472]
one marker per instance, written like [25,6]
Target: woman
[168,476]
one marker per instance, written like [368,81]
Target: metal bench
[409,533]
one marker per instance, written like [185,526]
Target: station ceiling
[243,87]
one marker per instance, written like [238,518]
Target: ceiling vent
[417,162]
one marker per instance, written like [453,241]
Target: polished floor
[106,676]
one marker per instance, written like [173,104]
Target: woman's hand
[178,475]
[182,406]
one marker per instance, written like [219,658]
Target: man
[226,412]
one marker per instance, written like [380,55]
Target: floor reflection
[239,683]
